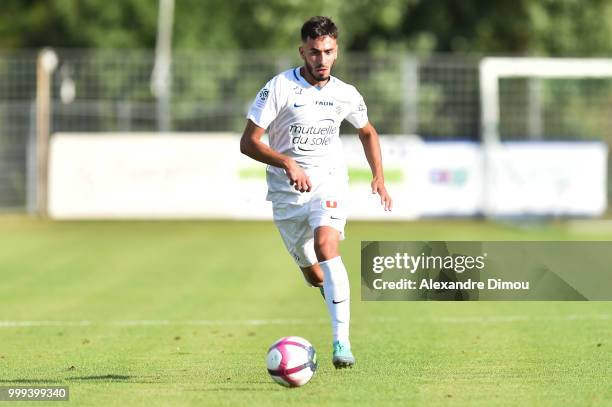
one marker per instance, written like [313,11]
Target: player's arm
[252,146]
[371,146]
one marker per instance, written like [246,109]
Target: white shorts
[297,222]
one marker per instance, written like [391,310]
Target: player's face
[319,56]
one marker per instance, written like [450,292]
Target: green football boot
[343,357]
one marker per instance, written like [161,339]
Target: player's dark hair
[319,26]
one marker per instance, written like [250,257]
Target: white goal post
[493,69]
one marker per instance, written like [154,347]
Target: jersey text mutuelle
[303,122]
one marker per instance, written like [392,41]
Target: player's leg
[299,238]
[328,219]
[292,223]
[334,278]
[337,292]
[314,276]
[326,243]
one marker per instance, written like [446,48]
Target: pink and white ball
[291,361]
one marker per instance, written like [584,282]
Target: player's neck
[311,80]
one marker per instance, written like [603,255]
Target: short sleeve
[264,108]
[358,116]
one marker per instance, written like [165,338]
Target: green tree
[519,27]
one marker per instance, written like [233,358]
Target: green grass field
[182,313]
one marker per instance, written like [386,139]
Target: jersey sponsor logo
[324,103]
[323,127]
[310,137]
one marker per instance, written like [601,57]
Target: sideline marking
[257,322]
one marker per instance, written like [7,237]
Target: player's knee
[326,248]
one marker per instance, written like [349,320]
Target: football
[292,361]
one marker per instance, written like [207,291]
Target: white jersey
[303,122]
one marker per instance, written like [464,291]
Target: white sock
[337,297]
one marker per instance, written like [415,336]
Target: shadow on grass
[102,378]
[116,378]
[221,389]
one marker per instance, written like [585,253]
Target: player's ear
[301,50]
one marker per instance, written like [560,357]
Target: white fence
[204,176]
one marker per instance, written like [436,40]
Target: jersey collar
[302,81]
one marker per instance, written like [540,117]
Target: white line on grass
[161,322]
[216,322]
[491,319]
[19,324]
[518,318]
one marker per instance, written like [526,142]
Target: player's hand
[297,177]
[378,187]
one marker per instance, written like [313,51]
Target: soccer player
[302,109]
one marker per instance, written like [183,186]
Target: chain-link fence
[435,97]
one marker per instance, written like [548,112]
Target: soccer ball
[291,361]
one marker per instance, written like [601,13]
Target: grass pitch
[182,313]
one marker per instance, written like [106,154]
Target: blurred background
[495,122]
[189,67]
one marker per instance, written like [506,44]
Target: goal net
[562,107]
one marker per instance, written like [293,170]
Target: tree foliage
[517,27]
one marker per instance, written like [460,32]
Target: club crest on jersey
[332,207]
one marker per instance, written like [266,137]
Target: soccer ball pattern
[291,361]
